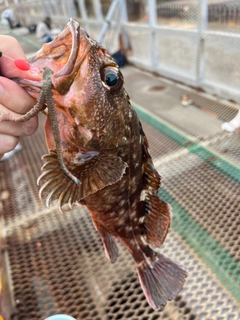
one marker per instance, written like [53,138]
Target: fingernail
[25,66]
[22,64]
[2,90]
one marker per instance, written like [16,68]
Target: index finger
[14,97]
[7,67]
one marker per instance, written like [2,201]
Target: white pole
[202,27]
[124,19]
[107,21]
[152,18]
[83,13]
[98,10]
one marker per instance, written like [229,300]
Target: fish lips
[64,56]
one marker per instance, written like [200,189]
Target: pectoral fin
[95,170]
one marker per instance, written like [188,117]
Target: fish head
[88,126]
[87,85]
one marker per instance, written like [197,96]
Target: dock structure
[54,263]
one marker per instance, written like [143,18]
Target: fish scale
[104,165]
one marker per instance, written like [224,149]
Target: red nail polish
[22,64]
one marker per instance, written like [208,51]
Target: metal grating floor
[202,115]
[57,263]
[227,144]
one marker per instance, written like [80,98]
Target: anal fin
[162,281]
[110,247]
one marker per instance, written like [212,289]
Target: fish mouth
[32,87]
[63,78]
[74,27]
[60,80]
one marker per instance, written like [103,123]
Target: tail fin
[162,281]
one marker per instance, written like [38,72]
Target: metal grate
[209,197]
[160,144]
[220,109]
[180,14]
[224,15]
[196,114]
[222,53]
[227,144]
[57,261]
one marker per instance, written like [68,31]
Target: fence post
[202,27]
[83,13]
[152,13]
[113,7]
[71,9]
[123,20]
[65,6]
[98,10]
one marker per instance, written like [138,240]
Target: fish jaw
[60,54]
[63,56]
[76,62]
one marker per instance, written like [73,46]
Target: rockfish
[98,156]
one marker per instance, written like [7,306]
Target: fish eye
[111,78]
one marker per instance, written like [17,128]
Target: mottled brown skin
[103,145]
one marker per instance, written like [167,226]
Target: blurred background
[181,65]
[192,41]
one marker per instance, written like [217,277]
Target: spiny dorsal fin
[96,173]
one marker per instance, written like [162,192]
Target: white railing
[193,41]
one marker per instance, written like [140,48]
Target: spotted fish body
[102,144]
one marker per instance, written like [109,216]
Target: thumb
[8,68]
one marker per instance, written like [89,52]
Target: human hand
[13,99]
